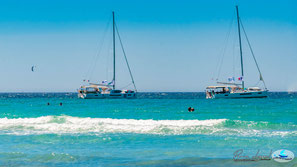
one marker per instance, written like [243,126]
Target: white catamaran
[237,90]
[104,89]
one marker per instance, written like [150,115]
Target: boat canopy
[229,83]
[216,87]
[103,87]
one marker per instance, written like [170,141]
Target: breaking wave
[78,125]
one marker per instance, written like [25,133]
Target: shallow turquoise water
[154,130]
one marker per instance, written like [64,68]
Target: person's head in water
[61,104]
[48,104]
[190,109]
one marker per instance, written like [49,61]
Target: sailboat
[237,90]
[108,90]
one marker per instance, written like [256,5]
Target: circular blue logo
[282,155]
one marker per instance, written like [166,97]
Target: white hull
[235,95]
[107,96]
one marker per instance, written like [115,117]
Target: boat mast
[239,35]
[114,61]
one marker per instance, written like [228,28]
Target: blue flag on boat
[230,79]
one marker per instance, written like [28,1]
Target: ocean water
[154,130]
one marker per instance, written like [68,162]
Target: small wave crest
[78,125]
[259,125]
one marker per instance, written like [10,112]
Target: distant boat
[237,90]
[108,90]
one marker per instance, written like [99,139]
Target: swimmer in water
[190,109]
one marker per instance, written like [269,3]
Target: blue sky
[171,45]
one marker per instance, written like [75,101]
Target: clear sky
[171,45]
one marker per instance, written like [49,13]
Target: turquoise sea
[154,130]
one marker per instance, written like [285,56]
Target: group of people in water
[190,109]
[59,104]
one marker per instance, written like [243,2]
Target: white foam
[78,125]
[68,124]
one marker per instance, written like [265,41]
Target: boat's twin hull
[107,96]
[256,94]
